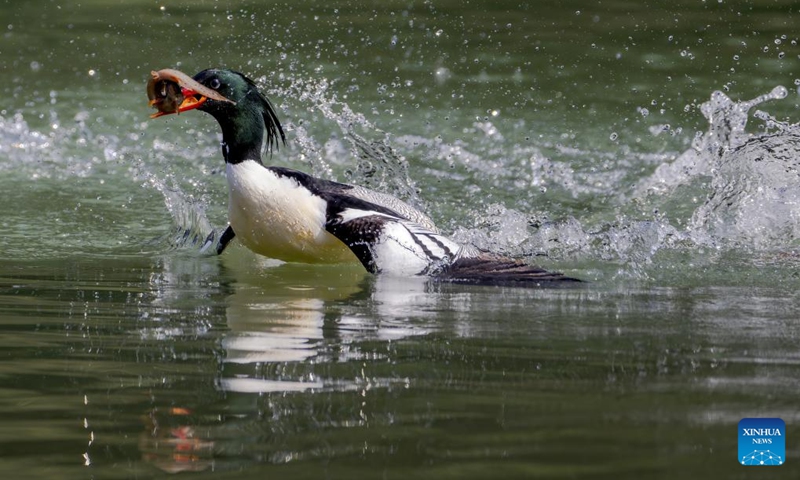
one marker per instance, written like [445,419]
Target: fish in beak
[172,91]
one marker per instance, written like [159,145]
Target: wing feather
[386,242]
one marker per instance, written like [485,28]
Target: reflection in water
[283,323]
[170,445]
[315,324]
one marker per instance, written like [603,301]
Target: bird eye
[214,83]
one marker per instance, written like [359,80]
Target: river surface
[649,148]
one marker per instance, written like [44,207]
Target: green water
[522,127]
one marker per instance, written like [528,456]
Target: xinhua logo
[762,442]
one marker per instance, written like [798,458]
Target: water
[649,149]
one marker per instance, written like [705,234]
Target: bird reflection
[287,325]
[313,314]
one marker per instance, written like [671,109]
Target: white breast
[276,217]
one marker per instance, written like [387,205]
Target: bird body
[277,217]
[288,215]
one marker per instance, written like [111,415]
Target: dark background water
[127,354]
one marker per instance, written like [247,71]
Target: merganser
[289,215]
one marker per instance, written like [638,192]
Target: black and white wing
[335,190]
[396,205]
[385,242]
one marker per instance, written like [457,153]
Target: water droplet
[779,92]
[442,74]
[736,57]
[613,137]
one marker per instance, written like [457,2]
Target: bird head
[229,96]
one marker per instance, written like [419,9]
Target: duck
[289,215]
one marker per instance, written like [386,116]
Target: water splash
[191,227]
[18,141]
[382,168]
[54,152]
[755,193]
[746,186]
[378,164]
[754,197]
[633,243]
[727,120]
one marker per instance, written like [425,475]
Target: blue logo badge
[762,442]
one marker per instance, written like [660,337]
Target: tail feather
[488,269]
